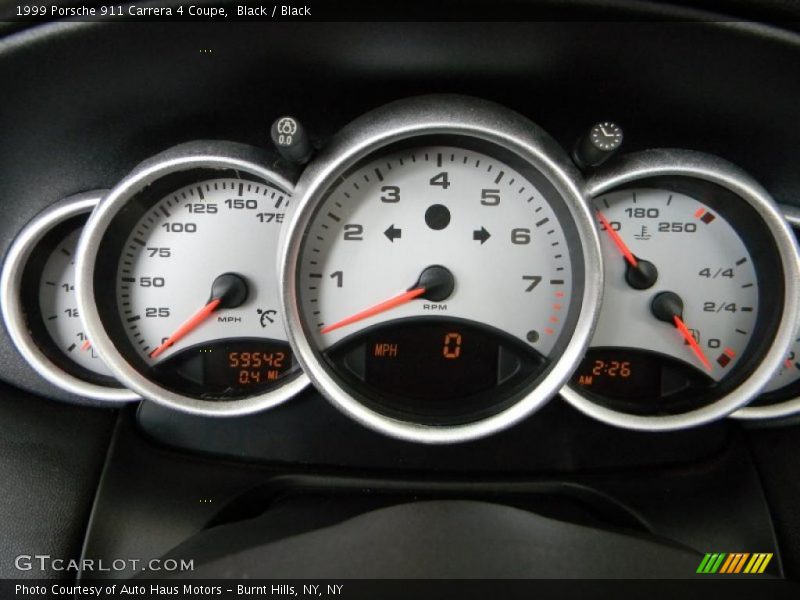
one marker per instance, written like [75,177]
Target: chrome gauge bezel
[684,163]
[211,155]
[791,406]
[14,313]
[423,117]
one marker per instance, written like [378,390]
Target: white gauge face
[466,261]
[699,257]
[789,371]
[680,303]
[196,287]
[478,218]
[59,307]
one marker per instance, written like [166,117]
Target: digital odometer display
[227,368]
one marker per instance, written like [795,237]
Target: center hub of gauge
[230,289]
[438,282]
[642,276]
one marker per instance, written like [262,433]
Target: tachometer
[441,276]
[700,292]
[181,281]
[40,306]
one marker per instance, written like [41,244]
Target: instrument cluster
[439,270]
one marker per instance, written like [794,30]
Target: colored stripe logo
[734,563]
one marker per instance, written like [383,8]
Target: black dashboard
[480,278]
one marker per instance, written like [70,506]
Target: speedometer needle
[188,326]
[668,307]
[229,290]
[435,283]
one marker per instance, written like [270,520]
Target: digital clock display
[637,377]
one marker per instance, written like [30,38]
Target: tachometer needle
[687,335]
[389,304]
[435,283]
[618,242]
[188,326]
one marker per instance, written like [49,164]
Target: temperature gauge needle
[668,307]
[639,273]
[228,291]
[435,283]
[618,241]
[389,304]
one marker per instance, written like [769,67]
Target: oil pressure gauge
[39,300]
[701,292]
[441,273]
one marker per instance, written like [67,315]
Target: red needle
[687,335]
[182,331]
[623,247]
[398,300]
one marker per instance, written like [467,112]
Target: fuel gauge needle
[687,335]
[668,307]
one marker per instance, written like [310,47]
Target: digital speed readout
[433,363]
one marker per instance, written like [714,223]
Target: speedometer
[442,274]
[700,294]
[182,286]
